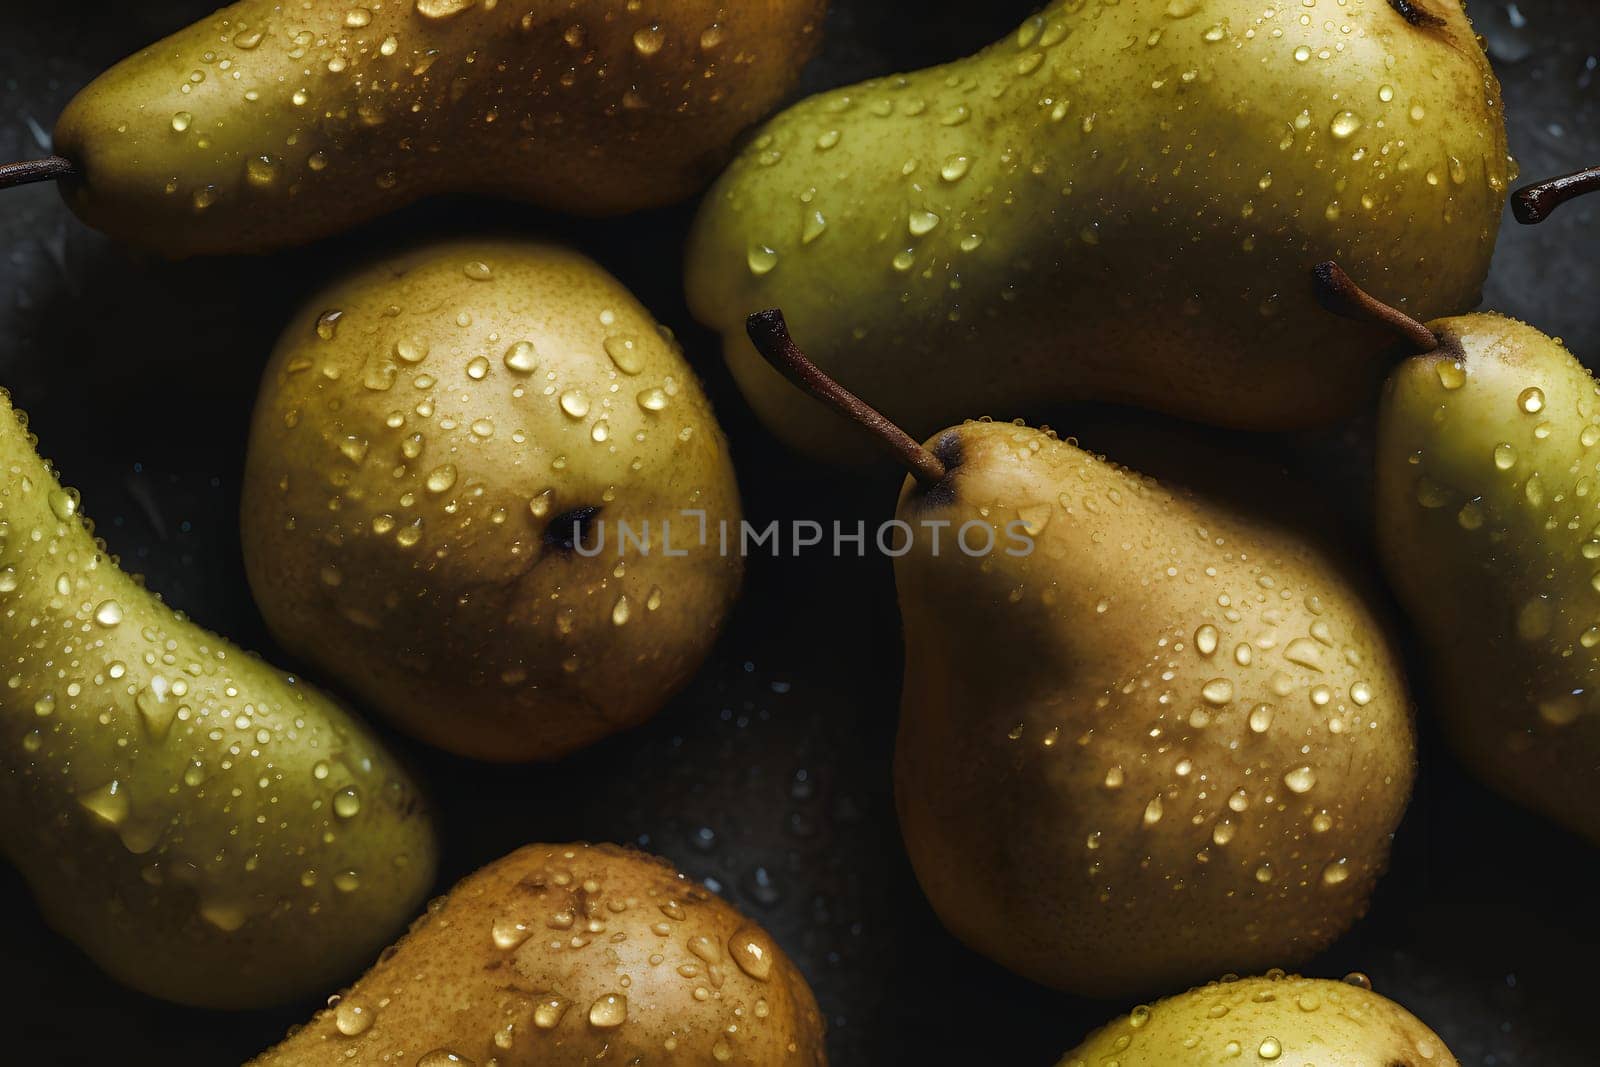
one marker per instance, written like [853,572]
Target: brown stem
[34,170]
[771,337]
[1337,292]
[1532,204]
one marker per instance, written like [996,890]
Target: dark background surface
[769,777]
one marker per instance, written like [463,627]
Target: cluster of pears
[1119,201]
[478,482]
[270,124]
[567,955]
[1181,745]
[208,829]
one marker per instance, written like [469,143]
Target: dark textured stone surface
[769,777]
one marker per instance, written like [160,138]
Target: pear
[1114,203]
[1286,1020]
[208,829]
[563,955]
[1144,738]
[485,491]
[1488,462]
[270,124]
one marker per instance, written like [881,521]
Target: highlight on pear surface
[478,476]
[1276,1018]
[569,955]
[1113,203]
[208,829]
[1167,709]
[1487,461]
[272,124]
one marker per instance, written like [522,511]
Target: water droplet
[109,802]
[653,399]
[347,802]
[1205,640]
[1344,125]
[351,1019]
[507,933]
[1300,780]
[328,324]
[478,271]
[109,613]
[1505,457]
[181,121]
[955,168]
[441,478]
[1531,400]
[761,259]
[922,223]
[625,353]
[1452,374]
[1270,1049]
[1217,692]
[649,39]
[1336,873]
[575,403]
[609,1012]
[442,9]
[1261,718]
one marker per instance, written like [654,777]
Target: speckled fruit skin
[1280,1019]
[301,120]
[1488,461]
[567,955]
[1118,202]
[1088,787]
[411,477]
[206,828]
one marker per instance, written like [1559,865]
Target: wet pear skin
[564,955]
[271,124]
[1487,473]
[1168,743]
[1117,202]
[206,828]
[1283,1019]
[427,428]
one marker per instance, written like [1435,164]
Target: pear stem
[51,169]
[1533,204]
[1339,293]
[770,334]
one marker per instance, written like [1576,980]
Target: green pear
[432,432]
[1280,1019]
[270,124]
[206,828]
[1144,737]
[1488,482]
[1117,202]
[569,956]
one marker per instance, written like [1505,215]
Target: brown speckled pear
[1279,1019]
[569,955]
[1116,202]
[206,828]
[430,433]
[271,124]
[1144,737]
[1488,483]
[1166,742]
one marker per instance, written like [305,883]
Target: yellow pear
[478,478]
[1144,737]
[1279,1019]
